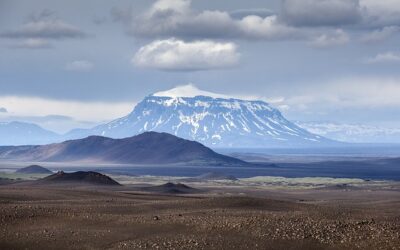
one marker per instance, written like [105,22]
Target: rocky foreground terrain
[40,217]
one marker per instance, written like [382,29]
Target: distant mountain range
[212,119]
[146,148]
[355,133]
[20,133]
[33,169]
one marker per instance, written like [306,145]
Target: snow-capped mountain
[356,133]
[212,119]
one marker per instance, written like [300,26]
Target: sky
[67,64]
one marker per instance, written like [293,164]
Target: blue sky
[77,63]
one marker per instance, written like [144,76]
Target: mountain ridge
[24,133]
[352,132]
[215,120]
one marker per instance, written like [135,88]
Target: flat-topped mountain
[81,177]
[34,169]
[212,119]
[146,148]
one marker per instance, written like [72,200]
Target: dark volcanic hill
[171,188]
[34,169]
[81,177]
[146,148]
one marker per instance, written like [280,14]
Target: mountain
[20,133]
[146,148]
[34,169]
[355,133]
[80,177]
[212,119]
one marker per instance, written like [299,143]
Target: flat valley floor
[62,217]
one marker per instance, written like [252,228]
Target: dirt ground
[53,217]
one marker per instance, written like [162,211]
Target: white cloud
[173,54]
[80,66]
[268,28]
[84,111]
[261,12]
[178,6]
[388,57]
[336,38]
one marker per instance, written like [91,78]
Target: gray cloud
[321,12]
[124,15]
[3,110]
[315,21]
[44,26]
[380,34]
[175,18]
[49,29]
[365,14]
[378,14]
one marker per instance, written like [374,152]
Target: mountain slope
[20,133]
[214,120]
[146,148]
